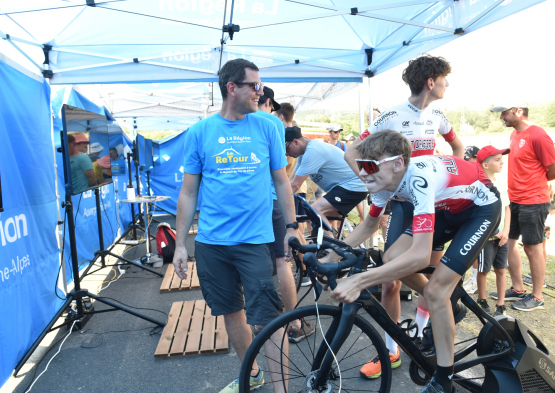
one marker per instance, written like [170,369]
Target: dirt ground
[541,322]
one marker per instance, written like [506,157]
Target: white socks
[422,316]
[390,344]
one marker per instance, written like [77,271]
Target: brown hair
[524,111]
[421,69]
[287,110]
[233,71]
[383,142]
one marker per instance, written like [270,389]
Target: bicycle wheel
[304,358]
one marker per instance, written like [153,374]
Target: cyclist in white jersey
[452,200]
[419,123]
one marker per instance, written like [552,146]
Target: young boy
[496,250]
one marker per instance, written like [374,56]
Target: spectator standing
[299,329]
[235,152]
[335,133]
[531,166]
[496,250]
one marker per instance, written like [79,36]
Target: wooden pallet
[194,229]
[192,331]
[172,282]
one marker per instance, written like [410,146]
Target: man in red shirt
[531,166]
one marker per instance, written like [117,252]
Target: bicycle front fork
[348,315]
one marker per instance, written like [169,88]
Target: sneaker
[483,303]
[306,282]
[510,295]
[528,281]
[373,369]
[529,303]
[256,382]
[297,335]
[470,286]
[500,310]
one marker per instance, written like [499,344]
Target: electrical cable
[136,308]
[52,358]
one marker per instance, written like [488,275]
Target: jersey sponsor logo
[480,194]
[430,132]
[522,142]
[412,108]
[402,186]
[429,123]
[406,124]
[417,184]
[418,123]
[237,139]
[384,117]
[450,164]
[221,139]
[423,144]
[422,224]
[407,133]
[475,238]
[421,165]
[440,114]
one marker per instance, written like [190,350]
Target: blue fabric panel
[28,246]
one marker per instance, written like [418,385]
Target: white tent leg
[370,241]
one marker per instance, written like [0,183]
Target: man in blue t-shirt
[233,155]
[335,133]
[299,329]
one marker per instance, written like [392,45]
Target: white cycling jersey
[418,126]
[438,183]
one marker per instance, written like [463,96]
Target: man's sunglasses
[373,166]
[257,86]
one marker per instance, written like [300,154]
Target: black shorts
[299,209]
[468,232]
[278,222]
[231,276]
[528,220]
[344,200]
[493,255]
[400,218]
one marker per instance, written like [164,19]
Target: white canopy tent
[137,41]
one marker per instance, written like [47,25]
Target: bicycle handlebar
[330,269]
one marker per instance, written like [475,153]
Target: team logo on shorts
[221,139]
[338,199]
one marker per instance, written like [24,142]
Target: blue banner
[29,251]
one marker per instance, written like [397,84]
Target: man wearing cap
[327,168]
[82,173]
[299,329]
[95,149]
[531,166]
[470,153]
[335,132]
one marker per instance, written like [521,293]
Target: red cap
[80,138]
[489,151]
[104,162]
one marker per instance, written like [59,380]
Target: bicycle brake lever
[315,284]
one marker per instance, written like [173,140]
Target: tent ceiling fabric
[176,106]
[139,41]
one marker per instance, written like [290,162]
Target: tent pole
[370,241]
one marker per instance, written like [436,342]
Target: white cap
[501,108]
[335,127]
[95,147]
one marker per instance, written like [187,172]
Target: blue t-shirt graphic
[281,132]
[235,159]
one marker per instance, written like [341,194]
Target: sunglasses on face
[373,166]
[256,86]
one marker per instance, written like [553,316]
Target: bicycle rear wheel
[304,358]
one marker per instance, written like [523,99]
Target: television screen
[117,149]
[140,145]
[148,154]
[87,150]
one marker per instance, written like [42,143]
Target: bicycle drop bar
[331,269]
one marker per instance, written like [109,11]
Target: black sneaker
[483,303]
[297,335]
[511,295]
[529,303]
[500,310]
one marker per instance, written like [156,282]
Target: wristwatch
[294,225]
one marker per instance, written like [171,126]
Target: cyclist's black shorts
[468,232]
[400,218]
